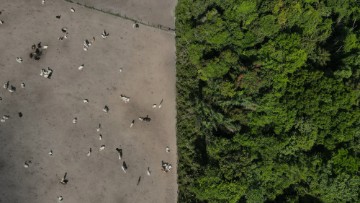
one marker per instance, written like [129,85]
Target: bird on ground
[124,167]
[119,151]
[6,84]
[19,59]
[106,109]
[161,103]
[64,180]
[27,164]
[104,34]
[64,29]
[12,89]
[81,66]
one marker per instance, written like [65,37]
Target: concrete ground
[147,59]
[159,12]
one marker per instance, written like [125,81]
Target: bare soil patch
[160,12]
[146,57]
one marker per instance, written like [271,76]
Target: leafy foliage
[268,100]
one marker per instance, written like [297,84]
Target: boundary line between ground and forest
[157,26]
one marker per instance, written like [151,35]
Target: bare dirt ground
[151,11]
[147,59]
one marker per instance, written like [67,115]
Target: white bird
[145,119]
[154,106]
[120,70]
[86,101]
[81,67]
[124,167]
[135,25]
[99,128]
[12,89]
[166,166]
[6,85]
[89,152]
[64,29]
[26,164]
[1,22]
[42,72]
[125,98]
[104,34]
[148,172]
[119,153]
[46,73]
[45,47]
[43,2]
[85,49]
[4,118]
[50,153]
[63,37]
[106,109]
[167,149]
[161,103]
[72,10]
[60,198]
[87,43]
[74,120]
[19,59]
[100,137]
[102,147]
[132,123]
[22,85]
[64,180]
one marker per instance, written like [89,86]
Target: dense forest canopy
[268,100]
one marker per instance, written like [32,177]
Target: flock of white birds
[48,73]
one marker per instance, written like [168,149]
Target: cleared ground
[147,59]
[155,12]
